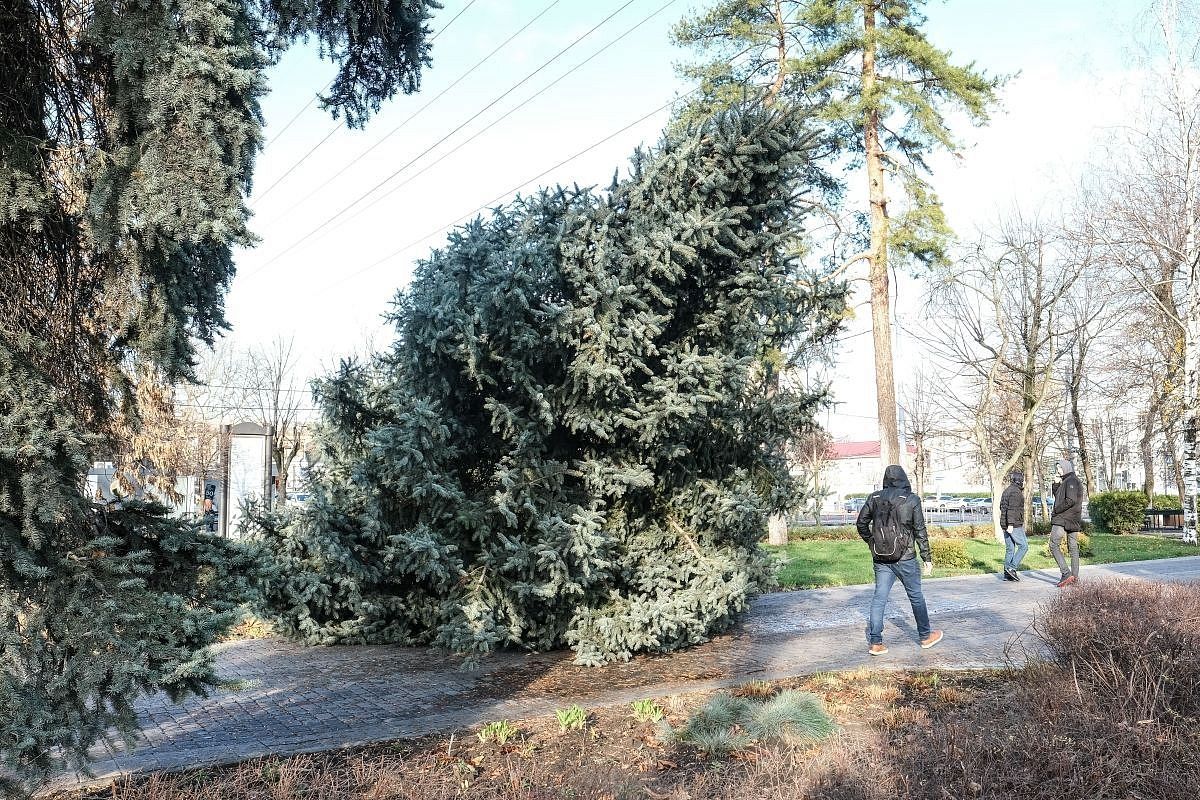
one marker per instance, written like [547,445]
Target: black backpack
[889,539]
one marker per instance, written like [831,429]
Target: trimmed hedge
[848,533]
[950,553]
[1118,512]
[1166,501]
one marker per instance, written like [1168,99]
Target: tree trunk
[1105,473]
[1115,448]
[881,322]
[1147,449]
[1030,483]
[1042,493]
[780,55]
[777,532]
[1085,459]
[1191,409]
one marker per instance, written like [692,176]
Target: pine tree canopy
[97,605]
[809,54]
[573,439]
[128,132]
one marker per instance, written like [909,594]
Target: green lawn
[811,564]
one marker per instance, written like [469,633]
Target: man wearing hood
[893,526]
[1066,520]
[1012,522]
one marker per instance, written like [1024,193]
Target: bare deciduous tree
[1001,332]
[1149,188]
[272,396]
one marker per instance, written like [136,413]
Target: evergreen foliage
[573,440]
[128,133]
[97,604]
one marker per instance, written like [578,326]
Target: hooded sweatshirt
[897,493]
[1012,503]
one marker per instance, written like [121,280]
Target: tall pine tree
[571,441]
[881,89]
[128,133]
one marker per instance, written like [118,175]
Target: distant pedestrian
[1012,522]
[893,526]
[1066,521]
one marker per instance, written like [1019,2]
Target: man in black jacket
[892,524]
[1012,522]
[1066,520]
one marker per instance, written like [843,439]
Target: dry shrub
[1134,645]
[1110,712]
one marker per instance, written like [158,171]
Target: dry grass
[1110,713]
[250,628]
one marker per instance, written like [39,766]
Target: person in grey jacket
[1012,522]
[1066,521]
[892,524]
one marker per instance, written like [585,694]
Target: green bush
[1118,512]
[1165,501]
[1085,547]
[825,533]
[950,553]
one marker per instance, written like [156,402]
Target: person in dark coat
[1066,521]
[1012,522]
[892,524]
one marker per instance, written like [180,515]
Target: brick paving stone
[291,699]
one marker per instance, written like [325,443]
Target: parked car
[955,504]
[981,505]
[937,504]
[854,505]
[1037,503]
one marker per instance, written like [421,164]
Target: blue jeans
[886,575]
[1016,545]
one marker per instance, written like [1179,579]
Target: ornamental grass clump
[728,723]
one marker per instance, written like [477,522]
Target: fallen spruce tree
[580,430]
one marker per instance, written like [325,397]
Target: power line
[505,194]
[339,125]
[453,19]
[235,407]
[466,122]
[503,117]
[292,121]
[248,388]
[414,115]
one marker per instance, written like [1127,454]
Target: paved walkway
[291,699]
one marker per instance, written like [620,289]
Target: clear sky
[328,264]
